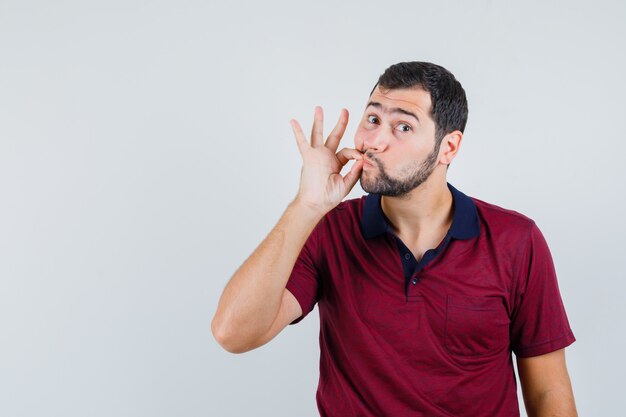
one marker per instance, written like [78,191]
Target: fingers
[317,138]
[299,134]
[353,176]
[346,154]
[317,133]
[335,136]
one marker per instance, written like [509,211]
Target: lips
[368,163]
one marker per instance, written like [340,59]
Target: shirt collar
[465,223]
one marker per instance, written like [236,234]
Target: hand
[321,185]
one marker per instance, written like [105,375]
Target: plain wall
[145,152]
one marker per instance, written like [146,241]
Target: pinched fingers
[347,154]
[353,176]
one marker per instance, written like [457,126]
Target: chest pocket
[476,325]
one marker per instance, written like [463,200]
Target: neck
[425,210]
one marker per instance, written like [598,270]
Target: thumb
[352,177]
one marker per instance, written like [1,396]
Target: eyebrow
[393,110]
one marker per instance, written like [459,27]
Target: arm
[249,311]
[546,386]
[252,298]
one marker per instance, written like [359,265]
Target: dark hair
[449,104]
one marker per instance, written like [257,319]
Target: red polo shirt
[402,338]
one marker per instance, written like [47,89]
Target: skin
[409,136]
[546,385]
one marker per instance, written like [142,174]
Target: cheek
[361,135]
[358,140]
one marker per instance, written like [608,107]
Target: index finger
[346,154]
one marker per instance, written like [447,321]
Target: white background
[145,151]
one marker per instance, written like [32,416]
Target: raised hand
[321,185]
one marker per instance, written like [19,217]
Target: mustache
[371,159]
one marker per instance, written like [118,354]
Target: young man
[423,292]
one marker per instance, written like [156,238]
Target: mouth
[367,163]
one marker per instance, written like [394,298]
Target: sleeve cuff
[301,297]
[546,347]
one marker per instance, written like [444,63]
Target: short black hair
[448,100]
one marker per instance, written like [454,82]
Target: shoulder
[345,216]
[498,219]
[347,208]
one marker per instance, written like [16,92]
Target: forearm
[251,299]
[553,403]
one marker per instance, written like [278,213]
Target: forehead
[412,99]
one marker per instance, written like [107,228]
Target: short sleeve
[539,323]
[303,282]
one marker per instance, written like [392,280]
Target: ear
[450,145]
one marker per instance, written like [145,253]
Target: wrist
[308,209]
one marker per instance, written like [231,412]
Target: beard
[378,181]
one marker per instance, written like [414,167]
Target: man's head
[413,109]
[449,104]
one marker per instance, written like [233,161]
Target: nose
[375,141]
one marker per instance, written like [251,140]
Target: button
[407,256]
[414,281]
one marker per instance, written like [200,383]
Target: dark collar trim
[465,224]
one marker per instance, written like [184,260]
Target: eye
[372,119]
[404,127]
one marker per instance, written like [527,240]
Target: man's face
[397,136]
